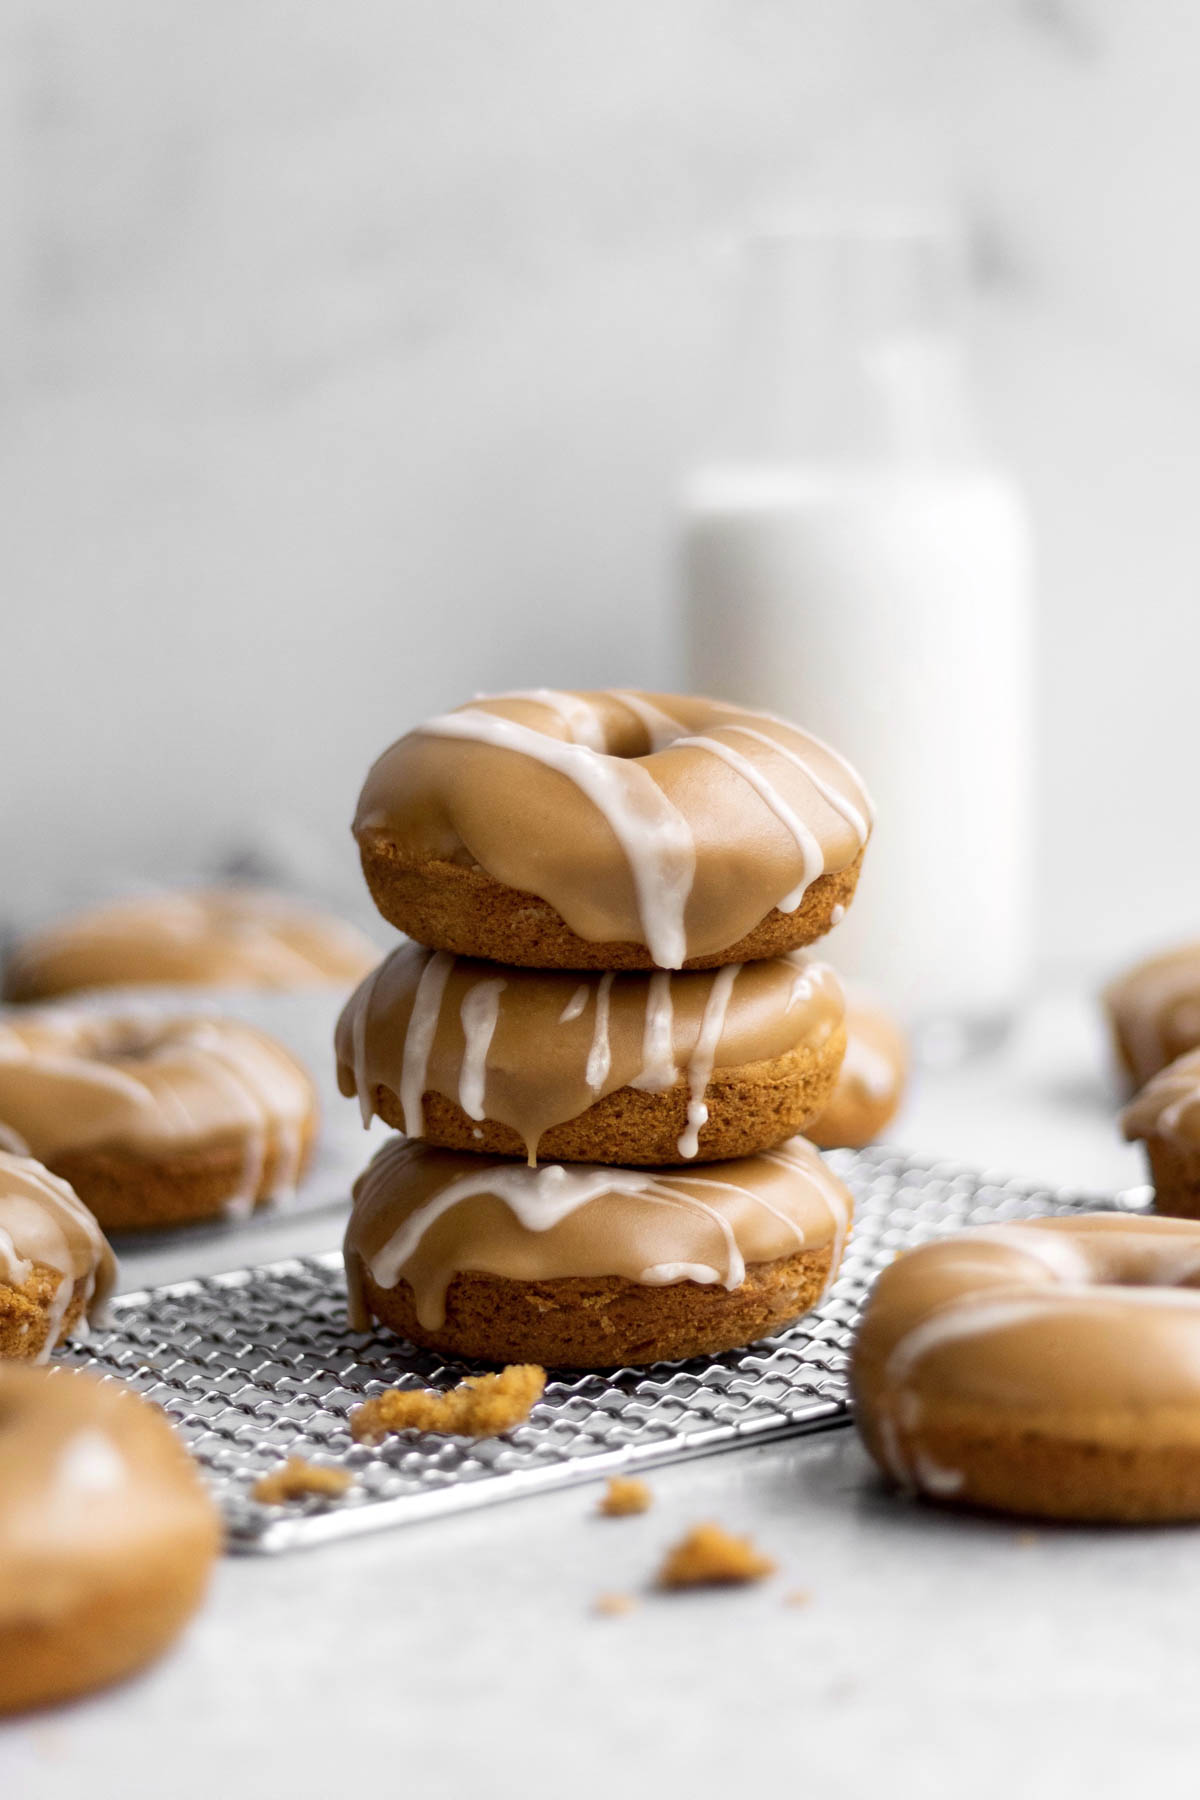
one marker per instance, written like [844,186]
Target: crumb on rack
[708,1555]
[481,1406]
[623,1496]
[610,1606]
[295,1479]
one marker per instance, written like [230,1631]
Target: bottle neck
[846,349]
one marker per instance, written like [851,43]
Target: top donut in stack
[604,840]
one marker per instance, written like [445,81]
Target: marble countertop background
[350,357]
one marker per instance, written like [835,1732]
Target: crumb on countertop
[709,1555]
[295,1479]
[797,1597]
[623,1496]
[610,1606]
[481,1406]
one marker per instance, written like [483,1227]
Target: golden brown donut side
[600,1322]
[750,1108]
[107,1535]
[142,1193]
[464,910]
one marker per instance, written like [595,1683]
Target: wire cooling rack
[260,1364]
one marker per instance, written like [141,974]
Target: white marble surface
[936,1656]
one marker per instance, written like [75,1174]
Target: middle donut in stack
[607,833]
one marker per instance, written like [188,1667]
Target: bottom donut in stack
[589,1266]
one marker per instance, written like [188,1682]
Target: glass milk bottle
[854,563]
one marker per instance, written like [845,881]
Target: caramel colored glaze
[870,1084]
[55,1266]
[1051,1367]
[424,1216]
[532,1052]
[107,1535]
[74,1081]
[1154,1011]
[226,937]
[667,822]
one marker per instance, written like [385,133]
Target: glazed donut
[56,1270]
[1165,1116]
[1048,1368]
[156,1120]
[611,830]
[870,1084]
[227,937]
[614,1068]
[1154,1012]
[107,1535]
[583,1266]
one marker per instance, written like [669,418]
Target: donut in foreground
[581,1266]
[629,1068]
[1049,1368]
[871,1081]
[219,937]
[156,1120]
[107,1535]
[56,1269]
[1154,1012]
[611,830]
[1165,1116]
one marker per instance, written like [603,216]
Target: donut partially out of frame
[1049,1368]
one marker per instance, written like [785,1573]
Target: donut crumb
[710,1556]
[611,1606]
[480,1406]
[797,1597]
[624,1495]
[295,1479]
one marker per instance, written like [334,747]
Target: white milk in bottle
[852,563]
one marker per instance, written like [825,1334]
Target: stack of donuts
[604,1035]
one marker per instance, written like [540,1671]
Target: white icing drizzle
[835,756]
[812,856]
[418,1041]
[580,718]
[841,805]
[479,1011]
[653,833]
[832,1192]
[542,1197]
[661,728]
[837,913]
[933,1478]
[575,1004]
[659,1071]
[91,1464]
[700,1067]
[599,1060]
